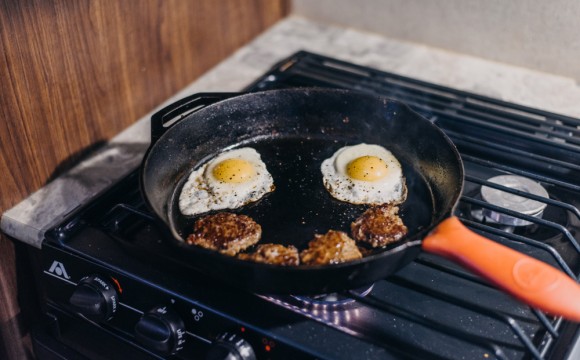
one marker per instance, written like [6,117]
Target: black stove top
[431,309]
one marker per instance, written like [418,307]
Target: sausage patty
[225,232]
[274,254]
[379,226]
[331,248]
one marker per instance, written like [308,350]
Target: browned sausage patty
[225,232]
[274,254]
[379,226]
[331,248]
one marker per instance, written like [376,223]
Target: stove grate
[494,137]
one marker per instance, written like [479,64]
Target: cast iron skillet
[295,130]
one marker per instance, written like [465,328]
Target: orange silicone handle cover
[530,280]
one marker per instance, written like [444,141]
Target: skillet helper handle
[165,118]
[530,280]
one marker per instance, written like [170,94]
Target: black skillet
[294,130]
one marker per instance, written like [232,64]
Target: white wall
[538,34]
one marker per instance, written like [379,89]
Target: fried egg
[364,174]
[230,180]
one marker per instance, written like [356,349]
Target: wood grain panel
[75,73]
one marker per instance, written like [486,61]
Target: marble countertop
[30,219]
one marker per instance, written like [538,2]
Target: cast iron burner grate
[432,309]
[494,138]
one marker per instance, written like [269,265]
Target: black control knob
[161,330]
[95,297]
[229,346]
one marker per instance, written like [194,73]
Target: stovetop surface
[429,309]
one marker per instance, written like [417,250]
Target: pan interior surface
[300,206]
[295,130]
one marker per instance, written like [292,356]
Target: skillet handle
[530,280]
[165,118]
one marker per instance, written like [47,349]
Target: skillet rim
[404,244]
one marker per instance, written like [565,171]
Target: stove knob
[95,298]
[161,330]
[231,347]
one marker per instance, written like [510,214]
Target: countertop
[30,219]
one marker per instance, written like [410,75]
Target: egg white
[389,189]
[202,192]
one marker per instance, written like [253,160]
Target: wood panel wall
[75,73]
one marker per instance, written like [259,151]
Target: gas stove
[113,288]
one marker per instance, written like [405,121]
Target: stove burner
[513,202]
[333,301]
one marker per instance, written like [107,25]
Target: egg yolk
[367,168]
[234,171]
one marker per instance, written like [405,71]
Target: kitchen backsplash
[541,35]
